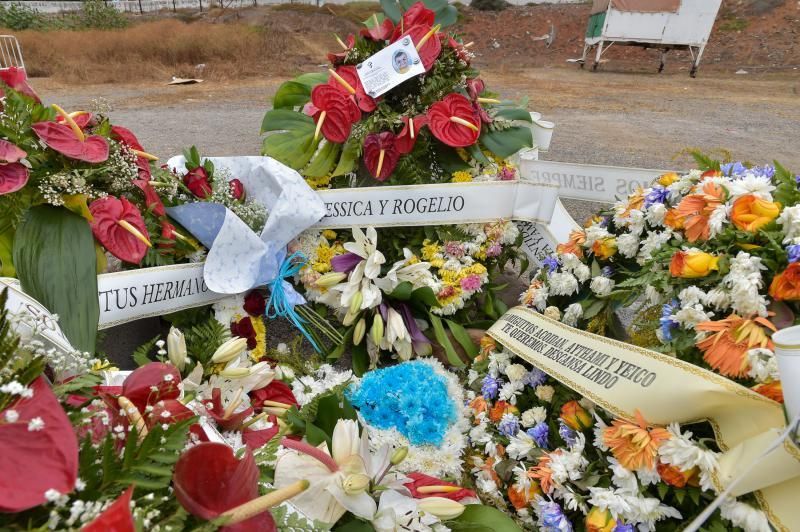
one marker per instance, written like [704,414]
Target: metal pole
[201,6]
[141,11]
[174,8]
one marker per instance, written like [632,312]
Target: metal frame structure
[686,29]
[10,53]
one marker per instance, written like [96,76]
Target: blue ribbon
[283,297]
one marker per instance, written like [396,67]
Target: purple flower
[419,341]
[540,434]
[607,271]
[567,434]
[551,262]
[534,377]
[454,249]
[657,194]
[490,387]
[767,171]
[667,323]
[623,527]
[551,517]
[731,169]
[794,252]
[346,262]
[509,425]
[507,174]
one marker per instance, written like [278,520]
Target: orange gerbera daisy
[635,202]
[521,498]
[478,405]
[771,389]
[726,349]
[501,408]
[695,210]
[634,444]
[488,467]
[542,473]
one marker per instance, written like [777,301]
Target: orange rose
[479,405]
[500,408]
[575,416]
[598,520]
[521,499]
[786,285]
[674,476]
[605,248]
[751,213]
[692,264]
[772,389]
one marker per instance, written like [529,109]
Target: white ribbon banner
[589,182]
[438,204]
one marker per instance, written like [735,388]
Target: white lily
[397,511]
[406,270]
[339,479]
[362,280]
[397,336]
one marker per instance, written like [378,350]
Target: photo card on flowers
[390,67]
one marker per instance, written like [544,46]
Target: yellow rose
[667,179]
[605,247]
[693,264]
[751,213]
[598,520]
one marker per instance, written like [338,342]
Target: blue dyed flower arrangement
[410,397]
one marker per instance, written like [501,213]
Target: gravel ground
[636,120]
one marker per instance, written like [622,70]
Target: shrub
[17,16]
[489,5]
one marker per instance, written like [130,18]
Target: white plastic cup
[528,154]
[543,134]
[787,351]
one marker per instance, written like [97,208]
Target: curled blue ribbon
[283,298]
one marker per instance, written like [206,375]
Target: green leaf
[444,341]
[426,296]
[403,291]
[297,92]
[360,359]
[6,249]
[348,159]
[316,435]
[323,161]
[514,113]
[480,518]
[507,142]
[446,15]
[142,353]
[56,264]
[462,337]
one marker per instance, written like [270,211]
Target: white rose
[545,392]
[602,286]
[516,372]
[553,313]
[533,416]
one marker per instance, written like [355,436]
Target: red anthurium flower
[418,14]
[433,487]
[237,189]
[337,58]
[196,180]
[380,31]
[274,391]
[17,79]
[428,42]
[226,418]
[209,480]
[126,137]
[255,303]
[407,137]
[381,154]
[61,138]
[81,118]
[119,226]
[345,78]
[152,383]
[255,439]
[115,518]
[13,174]
[168,411]
[336,113]
[475,86]
[38,450]
[460,49]
[453,121]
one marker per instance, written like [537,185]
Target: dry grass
[153,50]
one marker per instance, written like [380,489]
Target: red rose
[255,304]
[196,180]
[335,112]
[237,189]
[244,329]
[381,154]
[453,121]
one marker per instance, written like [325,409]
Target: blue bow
[283,297]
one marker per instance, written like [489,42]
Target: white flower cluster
[324,378]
